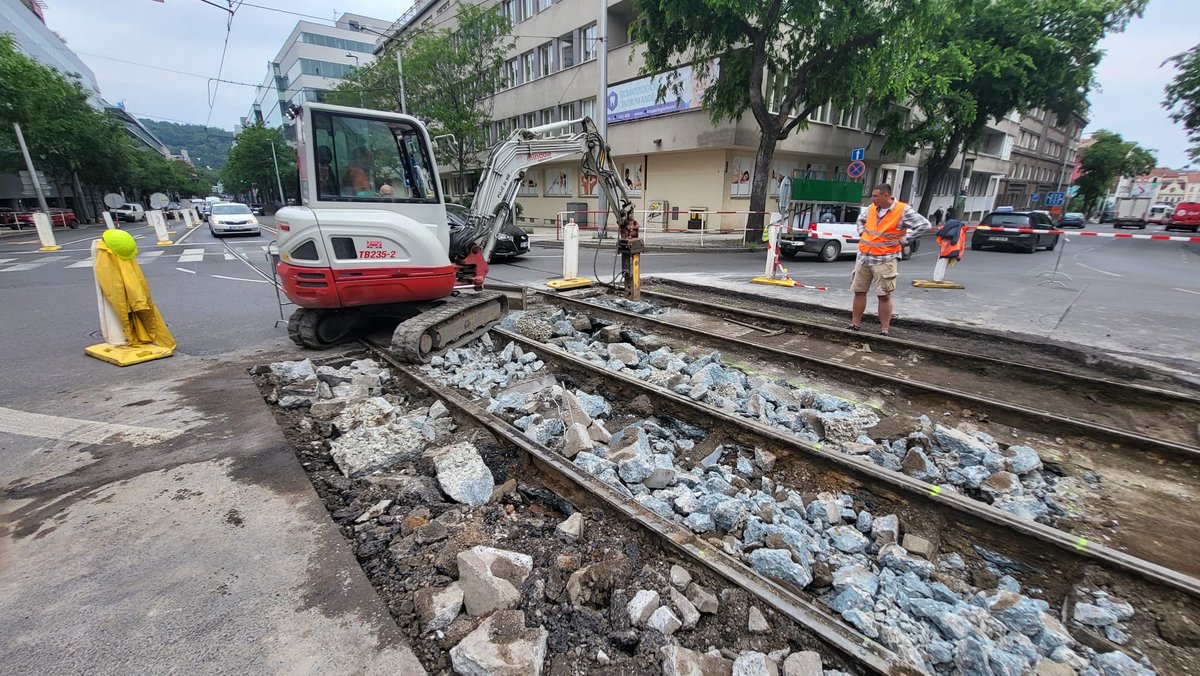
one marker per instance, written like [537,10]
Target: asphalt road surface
[1138,298]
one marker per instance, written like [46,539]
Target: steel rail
[808,614]
[1085,427]
[900,343]
[977,517]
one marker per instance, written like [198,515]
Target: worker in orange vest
[884,228]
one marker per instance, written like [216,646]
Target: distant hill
[209,144]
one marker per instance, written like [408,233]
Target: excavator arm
[506,168]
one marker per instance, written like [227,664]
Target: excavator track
[320,329]
[455,322]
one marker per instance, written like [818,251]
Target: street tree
[450,77]
[67,136]
[995,57]
[1183,96]
[375,86]
[1108,157]
[780,60]
[250,164]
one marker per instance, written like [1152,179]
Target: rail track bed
[1111,485]
[1023,348]
[863,565]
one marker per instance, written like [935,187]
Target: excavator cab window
[360,159]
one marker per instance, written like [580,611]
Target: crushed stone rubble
[1010,477]
[484,577]
[888,584]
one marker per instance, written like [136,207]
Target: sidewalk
[160,522]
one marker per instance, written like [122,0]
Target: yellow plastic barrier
[134,330]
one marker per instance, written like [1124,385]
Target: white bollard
[110,324]
[160,227]
[108,221]
[939,269]
[571,250]
[773,232]
[187,219]
[45,232]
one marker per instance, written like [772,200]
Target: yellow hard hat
[120,243]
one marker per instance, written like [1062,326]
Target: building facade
[314,59]
[675,161]
[1043,158]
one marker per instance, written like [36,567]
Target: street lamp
[361,102]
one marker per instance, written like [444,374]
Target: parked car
[1159,214]
[256,209]
[1027,242]
[1072,219]
[829,240]
[231,218]
[8,217]
[130,212]
[58,217]
[511,241]
[1108,216]
[203,209]
[173,206]
[1186,217]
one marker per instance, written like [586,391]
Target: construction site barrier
[108,221]
[45,232]
[1087,233]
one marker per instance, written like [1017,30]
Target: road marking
[190,272]
[28,424]
[6,260]
[267,227]
[191,256]
[230,257]
[1103,272]
[150,254]
[85,263]
[186,235]
[35,264]
[241,279]
[1186,291]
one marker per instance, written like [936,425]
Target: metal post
[601,48]
[400,74]
[278,181]
[37,185]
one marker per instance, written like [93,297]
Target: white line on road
[1103,272]
[241,279]
[230,257]
[85,263]
[29,424]
[1186,290]
[191,256]
[34,264]
[186,235]
[190,272]
[6,260]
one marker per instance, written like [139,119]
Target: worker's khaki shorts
[883,276]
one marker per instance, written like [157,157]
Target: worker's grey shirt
[911,222]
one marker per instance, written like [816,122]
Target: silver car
[232,218]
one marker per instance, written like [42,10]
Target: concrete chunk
[678,661]
[803,663]
[438,606]
[642,606]
[462,473]
[491,578]
[572,528]
[704,600]
[664,621]
[757,623]
[687,612]
[501,646]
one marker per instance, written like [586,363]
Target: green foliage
[782,59]
[994,57]
[65,133]
[449,78]
[1183,96]
[1108,157]
[209,144]
[250,164]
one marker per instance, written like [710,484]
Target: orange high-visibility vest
[950,249]
[881,237]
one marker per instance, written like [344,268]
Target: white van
[1159,214]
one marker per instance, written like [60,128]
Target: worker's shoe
[854,327]
[885,333]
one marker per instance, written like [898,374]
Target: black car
[1027,242]
[1072,219]
[511,241]
[256,209]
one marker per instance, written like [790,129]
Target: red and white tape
[1088,233]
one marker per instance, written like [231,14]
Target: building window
[512,74]
[543,5]
[508,10]
[336,43]
[530,120]
[587,43]
[588,108]
[527,9]
[528,69]
[546,116]
[566,51]
[325,68]
[566,112]
[545,55]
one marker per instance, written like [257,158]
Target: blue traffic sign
[1036,197]
[858,153]
[1055,199]
[856,169]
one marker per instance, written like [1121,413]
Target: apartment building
[314,59]
[674,160]
[1043,157]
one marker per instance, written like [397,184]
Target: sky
[187,36]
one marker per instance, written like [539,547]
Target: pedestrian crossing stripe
[35,263]
[195,255]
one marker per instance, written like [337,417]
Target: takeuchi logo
[537,157]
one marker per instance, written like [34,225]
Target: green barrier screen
[814,190]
